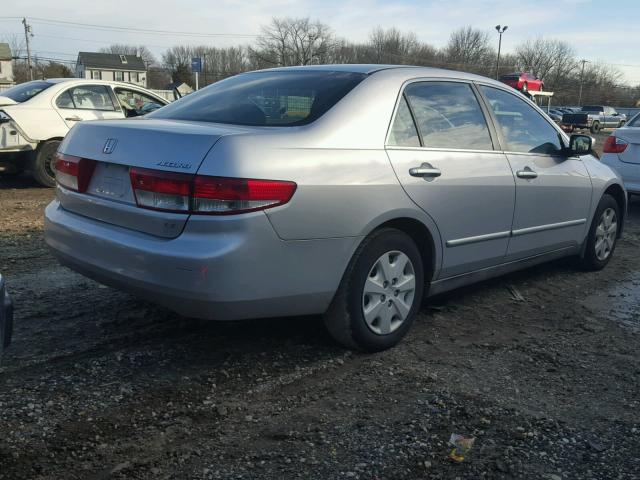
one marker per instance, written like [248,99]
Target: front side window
[449,116]
[86,97]
[404,132]
[268,98]
[523,128]
[135,103]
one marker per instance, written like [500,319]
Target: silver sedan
[351,191]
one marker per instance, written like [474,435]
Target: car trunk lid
[116,146]
[632,153]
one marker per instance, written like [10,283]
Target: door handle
[425,171]
[526,173]
[73,119]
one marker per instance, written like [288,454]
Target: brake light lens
[183,193]
[73,173]
[614,144]
[165,191]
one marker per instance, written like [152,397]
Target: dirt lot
[101,385]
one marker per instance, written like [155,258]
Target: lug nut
[385,284]
[396,293]
[383,298]
[394,281]
[390,303]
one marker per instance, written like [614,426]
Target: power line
[144,31]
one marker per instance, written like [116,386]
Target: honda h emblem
[110,145]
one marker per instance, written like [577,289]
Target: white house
[113,67]
[6,66]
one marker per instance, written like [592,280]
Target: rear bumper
[6,317]
[222,268]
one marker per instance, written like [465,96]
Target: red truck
[524,82]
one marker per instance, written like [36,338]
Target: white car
[35,117]
[621,151]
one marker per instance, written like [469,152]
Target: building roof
[5,51]
[173,85]
[111,61]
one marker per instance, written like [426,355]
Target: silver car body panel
[290,259]
[627,163]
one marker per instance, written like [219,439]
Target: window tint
[65,100]
[523,128]
[25,91]
[265,98]
[403,132]
[90,97]
[448,116]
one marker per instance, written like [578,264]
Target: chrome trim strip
[550,226]
[457,242]
[479,238]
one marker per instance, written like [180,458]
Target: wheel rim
[50,160]
[388,292]
[606,232]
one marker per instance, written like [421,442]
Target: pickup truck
[594,118]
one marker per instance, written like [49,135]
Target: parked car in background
[343,190]
[594,118]
[621,151]
[6,317]
[555,115]
[36,116]
[523,82]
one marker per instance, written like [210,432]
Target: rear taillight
[161,190]
[614,144]
[177,192]
[72,172]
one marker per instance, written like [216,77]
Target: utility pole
[581,79]
[27,34]
[500,30]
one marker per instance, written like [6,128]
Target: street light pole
[581,78]
[500,30]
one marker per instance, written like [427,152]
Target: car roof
[89,80]
[369,69]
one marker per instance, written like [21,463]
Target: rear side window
[270,98]
[25,91]
[635,121]
[449,116]
[404,132]
[523,128]
[86,97]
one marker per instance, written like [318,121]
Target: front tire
[380,293]
[603,234]
[42,168]
[595,127]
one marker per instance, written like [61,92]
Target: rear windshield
[264,98]
[25,91]
[592,108]
[635,121]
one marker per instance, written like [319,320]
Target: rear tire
[385,279]
[595,127]
[603,235]
[42,163]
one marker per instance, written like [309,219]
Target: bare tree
[140,50]
[549,59]
[469,49]
[293,41]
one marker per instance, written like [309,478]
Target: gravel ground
[101,385]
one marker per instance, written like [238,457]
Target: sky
[599,31]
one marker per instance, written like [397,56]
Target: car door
[553,191]
[442,150]
[86,102]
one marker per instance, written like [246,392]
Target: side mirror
[580,144]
